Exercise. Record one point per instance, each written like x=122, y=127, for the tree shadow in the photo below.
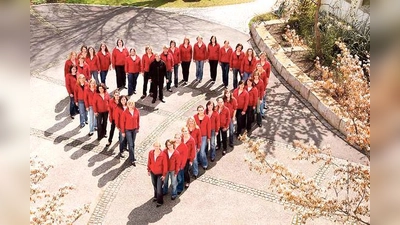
x=148, y=212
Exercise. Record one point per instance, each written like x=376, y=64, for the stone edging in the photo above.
x=318, y=98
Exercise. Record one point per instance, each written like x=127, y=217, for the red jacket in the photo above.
x=225, y=56
x=265, y=79
x=236, y=62
x=213, y=52
x=261, y=89
x=84, y=70
x=224, y=117
x=100, y=104
x=266, y=66
x=199, y=53
x=176, y=55
x=111, y=107
x=205, y=125
x=146, y=60
x=104, y=60
x=118, y=57
x=168, y=59
x=158, y=166
x=191, y=145
x=253, y=96
x=133, y=66
x=94, y=64
x=89, y=97
x=196, y=135
x=214, y=120
x=117, y=116
x=70, y=83
x=232, y=106
x=129, y=122
x=183, y=153
x=242, y=99
x=79, y=93
x=68, y=65
x=248, y=66
x=186, y=53
x=174, y=163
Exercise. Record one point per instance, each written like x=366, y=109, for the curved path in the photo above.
x=226, y=193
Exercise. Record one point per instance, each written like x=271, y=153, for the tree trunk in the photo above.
x=317, y=31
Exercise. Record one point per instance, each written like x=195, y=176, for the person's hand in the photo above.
x=123, y=134
x=87, y=109
x=198, y=150
x=190, y=163
x=243, y=112
x=150, y=80
x=71, y=95
x=137, y=131
x=224, y=129
x=167, y=80
x=175, y=174
x=76, y=103
x=254, y=107
x=96, y=114
x=162, y=178
x=148, y=173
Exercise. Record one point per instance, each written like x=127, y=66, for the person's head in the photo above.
x=200, y=110
x=103, y=47
x=101, y=88
x=213, y=39
x=239, y=47
x=262, y=55
x=91, y=51
x=250, y=82
x=81, y=59
x=116, y=95
x=148, y=49
x=256, y=75
x=172, y=43
x=120, y=43
x=220, y=102
x=169, y=144
x=81, y=79
x=177, y=138
x=186, y=40
x=132, y=51
x=92, y=83
x=199, y=39
x=157, y=145
x=259, y=67
x=241, y=84
x=84, y=48
x=210, y=106
x=157, y=57
x=250, y=52
x=131, y=103
x=165, y=49
x=122, y=101
x=72, y=55
x=227, y=95
x=73, y=69
x=185, y=131
x=226, y=43
x=190, y=122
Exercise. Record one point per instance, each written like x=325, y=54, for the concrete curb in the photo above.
x=322, y=102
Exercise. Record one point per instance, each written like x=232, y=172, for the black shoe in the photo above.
x=179, y=192
x=223, y=152
x=212, y=160
x=153, y=101
x=134, y=92
x=158, y=205
x=263, y=117
x=217, y=148
x=259, y=125
x=95, y=128
x=125, y=87
x=162, y=100
x=151, y=94
x=143, y=96
x=195, y=177
x=187, y=185
x=121, y=155
x=134, y=164
x=154, y=199
x=199, y=81
x=204, y=168
x=90, y=134
x=176, y=85
x=86, y=123
x=72, y=117
x=105, y=136
x=185, y=83
x=231, y=145
x=108, y=144
x=173, y=197
x=170, y=90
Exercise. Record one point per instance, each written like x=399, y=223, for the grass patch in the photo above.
x=264, y=17
x=152, y=3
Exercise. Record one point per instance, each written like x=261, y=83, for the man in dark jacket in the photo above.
x=157, y=72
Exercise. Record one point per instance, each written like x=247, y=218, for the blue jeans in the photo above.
x=95, y=75
x=235, y=73
x=157, y=185
x=131, y=137
x=231, y=130
x=174, y=183
x=212, y=145
x=262, y=105
x=122, y=143
x=83, y=117
x=225, y=73
x=103, y=76
x=92, y=120
x=176, y=67
x=246, y=76
x=132, y=82
x=202, y=153
x=73, y=109
x=169, y=77
x=181, y=180
x=195, y=165
x=199, y=69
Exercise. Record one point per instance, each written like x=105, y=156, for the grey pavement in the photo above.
x=227, y=193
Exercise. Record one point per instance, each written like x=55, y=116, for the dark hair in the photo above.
x=238, y=46
x=170, y=141
x=106, y=49
x=94, y=52
x=200, y=106
x=215, y=39
x=251, y=80
x=226, y=91
x=240, y=82
x=172, y=41
x=210, y=103
x=120, y=102
x=72, y=66
x=84, y=46
x=121, y=40
x=101, y=85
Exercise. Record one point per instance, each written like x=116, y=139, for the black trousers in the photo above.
x=249, y=117
x=185, y=70
x=102, y=118
x=186, y=174
x=146, y=77
x=120, y=76
x=213, y=69
x=158, y=87
x=240, y=121
x=224, y=135
x=157, y=185
x=112, y=129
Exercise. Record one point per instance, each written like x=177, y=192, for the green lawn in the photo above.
x=159, y=3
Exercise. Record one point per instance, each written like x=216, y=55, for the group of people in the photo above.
x=207, y=131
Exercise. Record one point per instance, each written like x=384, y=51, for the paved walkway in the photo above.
x=227, y=193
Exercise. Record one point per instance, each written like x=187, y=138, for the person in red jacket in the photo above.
x=157, y=168
x=264, y=76
x=174, y=164
x=199, y=57
x=259, y=84
x=174, y=51
x=195, y=133
x=147, y=59
x=84, y=51
x=186, y=52
x=182, y=149
x=225, y=53
x=231, y=103
x=105, y=62
x=225, y=119
x=94, y=64
x=248, y=64
x=236, y=63
x=204, y=122
x=253, y=103
x=89, y=96
x=213, y=57
x=112, y=105
x=168, y=59
x=100, y=108
x=190, y=143
x=121, y=107
x=242, y=98
x=263, y=61
x=83, y=67
x=81, y=86
x=119, y=55
x=70, y=84
x=211, y=112
x=72, y=60
x=130, y=124
x=133, y=66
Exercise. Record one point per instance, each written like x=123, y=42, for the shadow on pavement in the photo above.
x=149, y=213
